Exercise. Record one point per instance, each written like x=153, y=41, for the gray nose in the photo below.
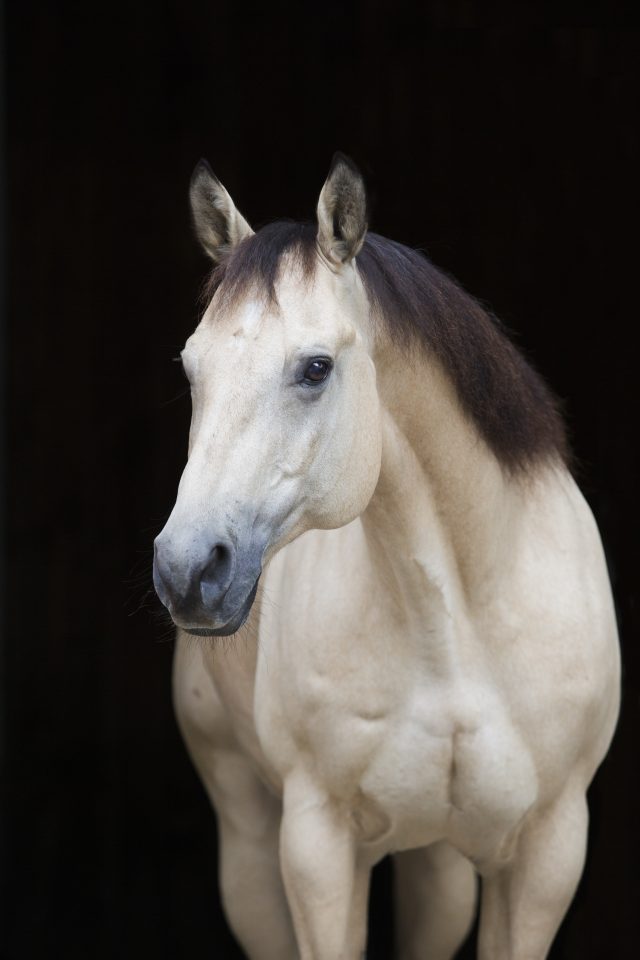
x=192, y=581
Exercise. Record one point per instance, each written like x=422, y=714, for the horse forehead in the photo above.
x=304, y=308
x=244, y=320
x=232, y=333
x=284, y=326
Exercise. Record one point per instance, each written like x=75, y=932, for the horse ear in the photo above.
x=342, y=211
x=219, y=224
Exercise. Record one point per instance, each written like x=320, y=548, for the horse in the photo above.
x=377, y=511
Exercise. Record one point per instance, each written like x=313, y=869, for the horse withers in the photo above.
x=377, y=506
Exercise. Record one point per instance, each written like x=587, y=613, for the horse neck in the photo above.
x=444, y=511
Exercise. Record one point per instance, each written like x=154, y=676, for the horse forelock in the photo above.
x=254, y=266
x=420, y=307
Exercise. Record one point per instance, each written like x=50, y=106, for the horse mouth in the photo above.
x=233, y=625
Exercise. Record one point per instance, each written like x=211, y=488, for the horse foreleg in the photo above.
x=250, y=879
x=248, y=817
x=326, y=884
x=435, y=897
x=524, y=903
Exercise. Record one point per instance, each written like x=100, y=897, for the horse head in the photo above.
x=285, y=430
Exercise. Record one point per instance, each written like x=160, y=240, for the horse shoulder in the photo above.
x=552, y=633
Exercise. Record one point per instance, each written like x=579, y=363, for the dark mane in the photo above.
x=511, y=406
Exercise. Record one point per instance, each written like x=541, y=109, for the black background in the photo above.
x=502, y=140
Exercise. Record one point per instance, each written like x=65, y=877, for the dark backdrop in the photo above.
x=503, y=142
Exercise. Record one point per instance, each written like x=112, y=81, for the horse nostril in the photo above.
x=217, y=574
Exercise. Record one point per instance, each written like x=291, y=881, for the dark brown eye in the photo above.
x=316, y=370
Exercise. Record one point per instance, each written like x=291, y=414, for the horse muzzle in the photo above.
x=207, y=587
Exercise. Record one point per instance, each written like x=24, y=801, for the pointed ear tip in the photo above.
x=202, y=169
x=341, y=159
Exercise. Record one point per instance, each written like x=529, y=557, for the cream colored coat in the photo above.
x=431, y=666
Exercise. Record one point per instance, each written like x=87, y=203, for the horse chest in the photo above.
x=457, y=775
x=437, y=762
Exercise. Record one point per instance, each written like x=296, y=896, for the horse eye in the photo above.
x=316, y=370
